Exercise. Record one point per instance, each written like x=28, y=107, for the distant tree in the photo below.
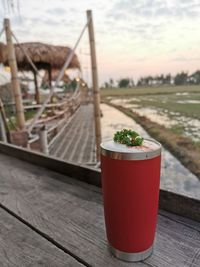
x=150, y=80
x=111, y=82
x=195, y=77
x=146, y=81
x=139, y=83
x=124, y=83
x=106, y=85
x=168, y=79
x=181, y=78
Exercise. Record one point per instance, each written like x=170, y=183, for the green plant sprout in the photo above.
x=128, y=137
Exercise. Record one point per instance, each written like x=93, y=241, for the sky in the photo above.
x=134, y=38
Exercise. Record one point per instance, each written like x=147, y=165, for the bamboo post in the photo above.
x=43, y=140
x=96, y=94
x=4, y=129
x=37, y=93
x=15, y=81
x=3, y=136
x=50, y=76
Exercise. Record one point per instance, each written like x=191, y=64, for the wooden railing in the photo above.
x=68, y=108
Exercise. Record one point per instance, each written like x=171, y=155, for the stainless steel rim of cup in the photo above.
x=144, y=155
x=131, y=257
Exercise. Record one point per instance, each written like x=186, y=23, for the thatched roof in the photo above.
x=43, y=56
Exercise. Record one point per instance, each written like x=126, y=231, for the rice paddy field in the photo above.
x=176, y=108
x=171, y=115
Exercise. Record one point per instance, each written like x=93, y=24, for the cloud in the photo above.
x=56, y=11
x=155, y=8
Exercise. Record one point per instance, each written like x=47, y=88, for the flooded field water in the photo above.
x=174, y=176
x=180, y=111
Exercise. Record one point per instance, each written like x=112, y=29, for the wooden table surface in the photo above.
x=48, y=219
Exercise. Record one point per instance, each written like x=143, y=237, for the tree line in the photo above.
x=182, y=78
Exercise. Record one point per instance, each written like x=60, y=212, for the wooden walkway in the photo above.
x=76, y=142
x=51, y=219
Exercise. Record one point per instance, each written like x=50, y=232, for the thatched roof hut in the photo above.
x=44, y=56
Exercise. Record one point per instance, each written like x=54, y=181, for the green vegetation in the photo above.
x=172, y=104
x=186, y=150
x=29, y=114
x=12, y=123
x=128, y=137
x=170, y=99
x=177, y=103
x=137, y=91
x=181, y=78
x=177, y=129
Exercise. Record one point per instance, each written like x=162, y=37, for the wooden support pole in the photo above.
x=50, y=81
x=43, y=140
x=37, y=93
x=4, y=129
x=3, y=136
x=15, y=81
x=96, y=94
x=50, y=76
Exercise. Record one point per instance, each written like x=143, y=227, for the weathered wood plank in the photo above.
x=69, y=141
x=21, y=246
x=61, y=210
x=80, y=172
x=176, y=244
x=169, y=201
x=180, y=205
x=71, y=213
x=180, y=219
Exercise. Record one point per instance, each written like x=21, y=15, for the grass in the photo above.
x=177, y=129
x=29, y=114
x=136, y=91
x=12, y=123
x=174, y=101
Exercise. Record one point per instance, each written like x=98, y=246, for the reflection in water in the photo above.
x=174, y=176
x=164, y=117
x=184, y=93
x=188, y=101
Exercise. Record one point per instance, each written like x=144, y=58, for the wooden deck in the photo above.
x=51, y=219
x=76, y=142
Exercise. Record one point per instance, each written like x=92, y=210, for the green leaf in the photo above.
x=128, y=137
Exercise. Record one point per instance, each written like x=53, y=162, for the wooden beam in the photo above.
x=3, y=136
x=170, y=201
x=4, y=129
x=43, y=140
x=70, y=214
x=50, y=76
x=37, y=93
x=96, y=94
x=15, y=81
x=22, y=245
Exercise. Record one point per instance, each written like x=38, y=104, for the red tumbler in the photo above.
x=130, y=183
